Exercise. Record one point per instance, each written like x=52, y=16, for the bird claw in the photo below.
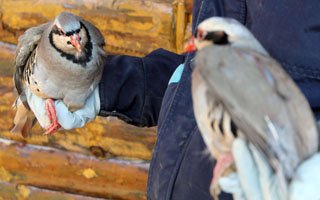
x=51, y=112
x=223, y=163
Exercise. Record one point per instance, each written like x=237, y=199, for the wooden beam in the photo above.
x=133, y=27
x=55, y=169
x=18, y=192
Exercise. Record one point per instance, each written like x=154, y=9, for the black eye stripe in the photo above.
x=199, y=34
x=210, y=35
x=217, y=37
x=72, y=32
x=56, y=30
x=75, y=31
x=87, y=57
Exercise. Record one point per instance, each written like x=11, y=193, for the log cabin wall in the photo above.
x=133, y=27
x=106, y=159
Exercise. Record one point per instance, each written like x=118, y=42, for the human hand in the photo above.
x=68, y=120
x=255, y=179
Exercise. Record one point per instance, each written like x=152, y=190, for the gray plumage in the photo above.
x=50, y=65
x=242, y=83
x=67, y=22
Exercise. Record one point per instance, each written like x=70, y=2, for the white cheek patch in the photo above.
x=61, y=42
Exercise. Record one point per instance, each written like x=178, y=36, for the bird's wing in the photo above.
x=209, y=116
x=96, y=35
x=26, y=45
x=264, y=103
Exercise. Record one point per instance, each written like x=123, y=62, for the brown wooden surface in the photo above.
x=64, y=161
x=133, y=27
x=104, y=138
x=49, y=168
x=10, y=191
x=71, y=172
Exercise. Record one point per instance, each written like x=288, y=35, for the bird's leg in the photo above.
x=51, y=112
x=225, y=161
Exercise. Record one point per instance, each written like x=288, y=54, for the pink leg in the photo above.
x=225, y=161
x=51, y=112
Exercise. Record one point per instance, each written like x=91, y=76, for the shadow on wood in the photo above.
x=50, y=168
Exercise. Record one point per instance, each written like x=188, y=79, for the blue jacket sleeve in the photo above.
x=132, y=88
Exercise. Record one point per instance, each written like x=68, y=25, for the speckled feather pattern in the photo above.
x=49, y=75
x=262, y=100
x=59, y=73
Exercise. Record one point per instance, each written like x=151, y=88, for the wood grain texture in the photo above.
x=95, y=144
x=71, y=172
x=104, y=138
x=133, y=27
x=65, y=161
x=10, y=191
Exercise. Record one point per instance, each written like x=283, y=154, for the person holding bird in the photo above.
x=156, y=90
x=62, y=59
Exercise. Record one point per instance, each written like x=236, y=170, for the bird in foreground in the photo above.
x=238, y=90
x=62, y=59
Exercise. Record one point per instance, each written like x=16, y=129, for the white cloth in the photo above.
x=255, y=180
x=68, y=120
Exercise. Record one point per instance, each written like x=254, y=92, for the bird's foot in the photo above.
x=223, y=163
x=51, y=112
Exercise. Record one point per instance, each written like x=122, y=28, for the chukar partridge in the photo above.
x=62, y=59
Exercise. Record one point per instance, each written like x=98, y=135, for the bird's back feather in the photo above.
x=26, y=51
x=263, y=101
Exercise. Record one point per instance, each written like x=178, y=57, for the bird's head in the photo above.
x=69, y=34
x=223, y=31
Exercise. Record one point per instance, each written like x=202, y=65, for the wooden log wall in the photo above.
x=106, y=159
x=133, y=27
x=33, y=193
x=50, y=168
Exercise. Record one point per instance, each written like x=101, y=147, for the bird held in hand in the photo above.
x=62, y=59
x=238, y=90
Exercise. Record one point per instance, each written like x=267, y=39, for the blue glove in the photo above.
x=255, y=180
x=68, y=120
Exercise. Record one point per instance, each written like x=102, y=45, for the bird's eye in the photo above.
x=200, y=35
x=61, y=32
x=69, y=43
x=57, y=30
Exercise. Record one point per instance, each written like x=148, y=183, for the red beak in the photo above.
x=75, y=41
x=190, y=47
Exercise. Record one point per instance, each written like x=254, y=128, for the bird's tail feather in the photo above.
x=24, y=119
x=281, y=183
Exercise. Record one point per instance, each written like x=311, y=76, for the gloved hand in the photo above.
x=255, y=180
x=68, y=120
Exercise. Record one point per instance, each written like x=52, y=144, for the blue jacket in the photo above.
x=138, y=91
